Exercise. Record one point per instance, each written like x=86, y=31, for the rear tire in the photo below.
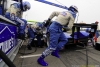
x=97, y=46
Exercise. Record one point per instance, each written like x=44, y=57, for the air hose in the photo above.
x=24, y=53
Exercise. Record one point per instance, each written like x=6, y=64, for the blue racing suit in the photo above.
x=56, y=33
x=40, y=34
x=31, y=33
x=14, y=13
x=57, y=37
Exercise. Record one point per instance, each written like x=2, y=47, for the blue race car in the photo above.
x=77, y=37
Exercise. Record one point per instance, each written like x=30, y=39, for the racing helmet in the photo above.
x=26, y=5
x=73, y=8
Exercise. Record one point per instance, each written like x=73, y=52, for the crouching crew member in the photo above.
x=35, y=31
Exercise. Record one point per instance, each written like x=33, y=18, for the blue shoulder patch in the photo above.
x=63, y=13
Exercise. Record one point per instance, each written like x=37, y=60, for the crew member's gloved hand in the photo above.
x=47, y=22
x=12, y=16
x=38, y=28
x=65, y=29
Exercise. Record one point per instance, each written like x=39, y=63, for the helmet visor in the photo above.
x=26, y=8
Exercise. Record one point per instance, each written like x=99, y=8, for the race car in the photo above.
x=77, y=37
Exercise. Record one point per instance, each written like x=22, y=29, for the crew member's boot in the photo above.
x=41, y=61
x=55, y=53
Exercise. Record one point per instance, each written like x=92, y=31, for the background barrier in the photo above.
x=9, y=43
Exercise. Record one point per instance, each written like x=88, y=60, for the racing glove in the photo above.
x=47, y=22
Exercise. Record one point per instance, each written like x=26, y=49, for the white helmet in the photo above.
x=26, y=5
x=73, y=7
